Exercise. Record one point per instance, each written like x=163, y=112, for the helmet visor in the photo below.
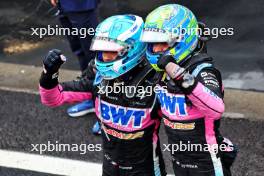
x=107, y=44
x=154, y=35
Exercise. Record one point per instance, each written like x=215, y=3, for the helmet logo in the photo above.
x=134, y=28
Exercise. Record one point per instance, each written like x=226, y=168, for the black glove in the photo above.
x=53, y=61
x=164, y=60
x=51, y=65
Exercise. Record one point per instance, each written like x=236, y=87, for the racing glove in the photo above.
x=51, y=64
x=178, y=74
x=53, y=61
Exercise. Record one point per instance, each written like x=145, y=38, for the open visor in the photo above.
x=107, y=44
x=154, y=35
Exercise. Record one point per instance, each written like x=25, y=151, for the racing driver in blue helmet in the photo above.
x=129, y=119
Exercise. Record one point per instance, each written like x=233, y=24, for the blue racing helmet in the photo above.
x=121, y=34
x=175, y=25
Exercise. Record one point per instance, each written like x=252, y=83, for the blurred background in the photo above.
x=23, y=120
x=239, y=56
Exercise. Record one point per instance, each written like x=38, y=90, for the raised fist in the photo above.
x=53, y=61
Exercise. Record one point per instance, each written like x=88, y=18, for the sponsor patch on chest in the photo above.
x=122, y=116
x=172, y=104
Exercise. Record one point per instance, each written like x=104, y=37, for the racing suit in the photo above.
x=130, y=122
x=192, y=116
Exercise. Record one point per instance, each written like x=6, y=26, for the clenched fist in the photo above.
x=53, y=61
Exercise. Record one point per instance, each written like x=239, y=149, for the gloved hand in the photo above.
x=53, y=61
x=164, y=60
x=174, y=70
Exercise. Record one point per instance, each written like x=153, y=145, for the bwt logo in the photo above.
x=172, y=102
x=122, y=115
